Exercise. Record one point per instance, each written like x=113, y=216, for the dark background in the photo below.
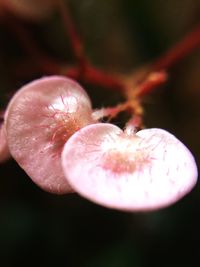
x=39, y=229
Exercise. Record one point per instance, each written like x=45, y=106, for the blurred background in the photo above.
x=39, y=229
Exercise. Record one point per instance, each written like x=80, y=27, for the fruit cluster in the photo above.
x=52, y=132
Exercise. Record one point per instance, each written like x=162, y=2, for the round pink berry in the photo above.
x=39, y=120
x=135, y=172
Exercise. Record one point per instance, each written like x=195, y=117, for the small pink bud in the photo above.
x=123, y=170
x=39, y=120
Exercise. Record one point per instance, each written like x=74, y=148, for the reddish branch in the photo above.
x=84, y=71
x=95, y=76
x=152, y=81
x=149, y=82
x=76, y=43
x=179, y=51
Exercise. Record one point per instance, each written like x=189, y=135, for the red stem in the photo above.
x=154, y=80
x=183, y=48
x=95, y=76
x=190, y=42
x=86, y=72
x=76, y=43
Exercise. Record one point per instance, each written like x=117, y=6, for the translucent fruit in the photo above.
x=39, y=120
x=123, y=170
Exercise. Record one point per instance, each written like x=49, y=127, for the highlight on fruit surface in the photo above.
x=40, y=118
x=4, y=151
x=141, y=171
x=29, y=9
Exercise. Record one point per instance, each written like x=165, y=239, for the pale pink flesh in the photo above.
x=29, y=9
x=39, y=120
x=141, y=172
x=4, y=151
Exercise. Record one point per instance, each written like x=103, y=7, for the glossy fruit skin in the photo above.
x=39, y=120
x=145, y=171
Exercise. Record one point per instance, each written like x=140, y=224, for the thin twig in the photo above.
x=71, y=31
x=152, y=81
x=162, y=65
x=179, y=51
x=95, y=76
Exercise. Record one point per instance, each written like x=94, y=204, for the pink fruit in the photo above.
x=4, y=151
x=122, y=170
x=39, y=120
x=29, y=9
